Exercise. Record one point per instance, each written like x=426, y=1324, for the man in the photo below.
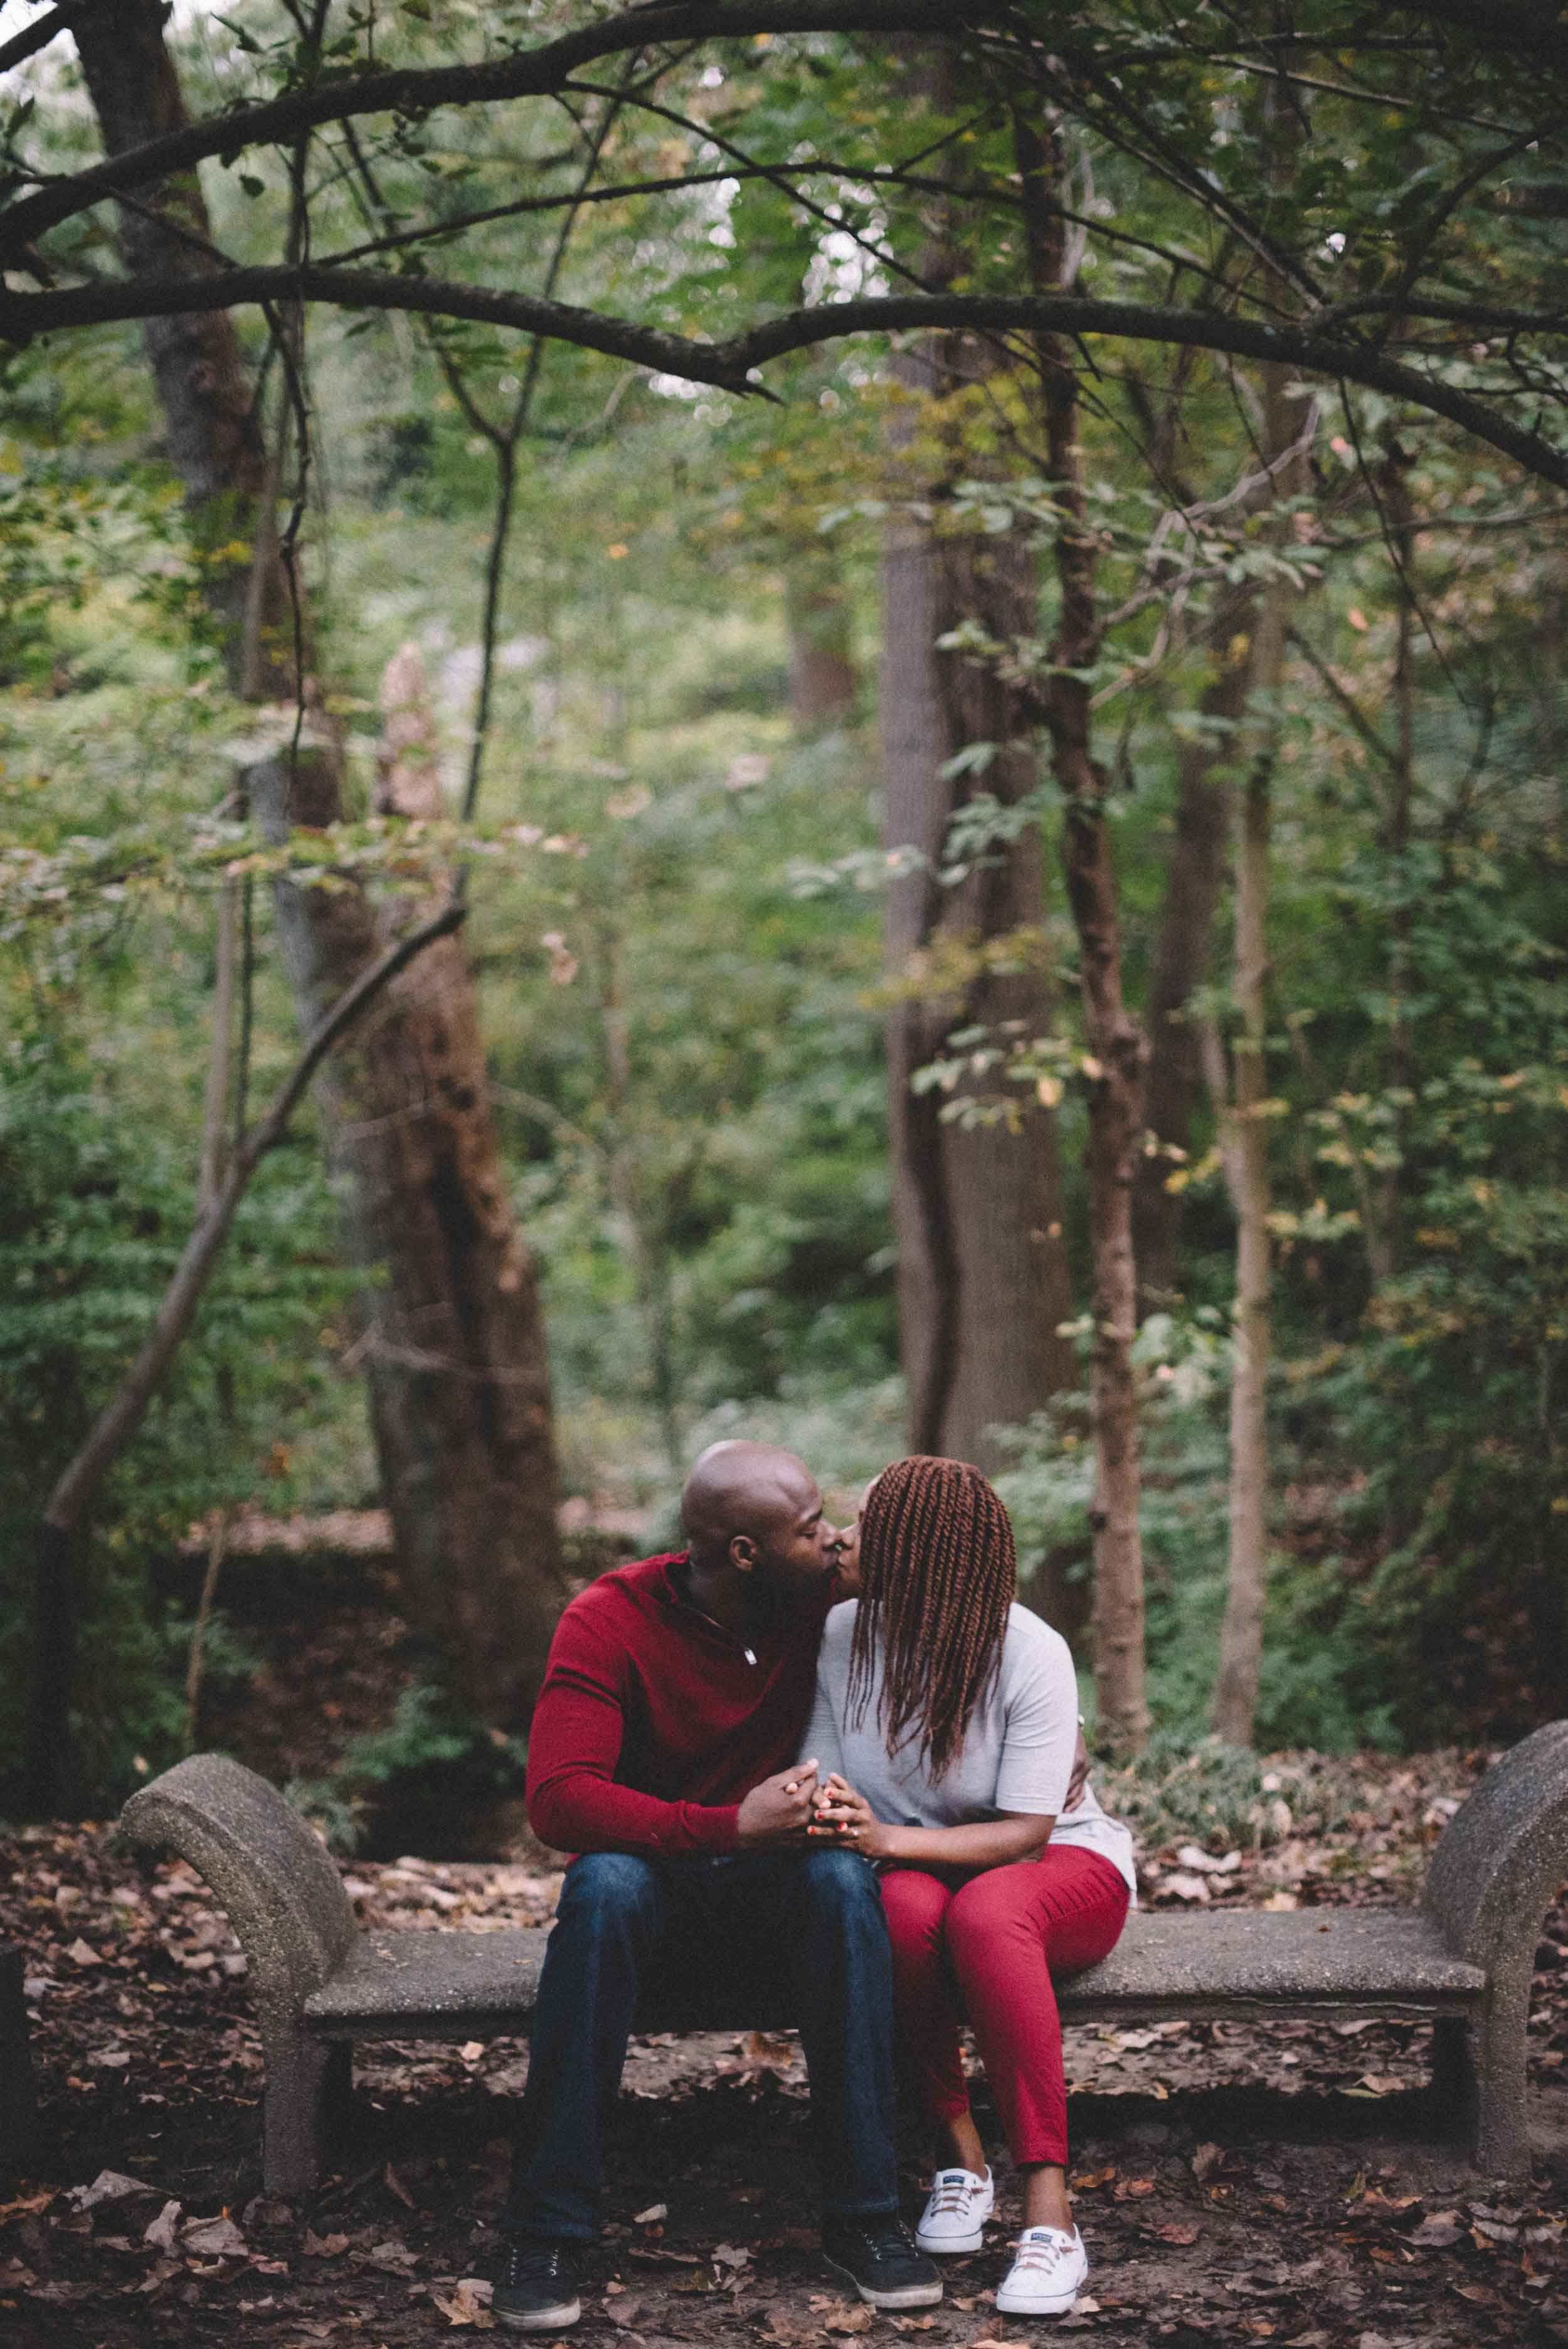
x=662, y=1752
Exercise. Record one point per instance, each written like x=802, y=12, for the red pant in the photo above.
x=991, y=1946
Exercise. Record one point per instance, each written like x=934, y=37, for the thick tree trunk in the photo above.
x=983, y=1275
x=455, y=1349
x=982, y=1271
x=1118, y=1047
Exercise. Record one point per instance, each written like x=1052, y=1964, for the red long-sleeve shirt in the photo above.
x=651, y=1724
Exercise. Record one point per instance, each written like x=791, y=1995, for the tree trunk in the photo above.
x=1118, y=1047
x=455, y=1347
x=1247, y=1165
x=982, y=1269
x=1246, y=1150
x=1183, y=951
x=983, y=1275
x=816, y=612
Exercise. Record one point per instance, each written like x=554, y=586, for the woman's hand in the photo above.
x=842, y=1815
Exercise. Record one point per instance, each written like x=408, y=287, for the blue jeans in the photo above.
x=807, y=1927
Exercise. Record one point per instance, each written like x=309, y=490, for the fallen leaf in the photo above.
x=392, y=2257
x=1186, y=1887
x=159, y=2233
x=1087, y=2183
x=847, y=2317
x=213, y=2239
x=14, y=2276
x=1280, y=1900
x=109, y=2186
x=1206, y=2159
x=111, y=2059
x=28, y=2204
x=625, y=2310
x=913, y=2323
x=1175, y=2230
x=395, y=2185
x=1131, y=2189
x=471, y=2050
x=729, y=2255
x=322, y=2247
x=652, y=2215
x=467, y=2304
x=1190, y=1855
x=80, y=1954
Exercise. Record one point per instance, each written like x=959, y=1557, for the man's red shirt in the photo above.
x=652, y=1725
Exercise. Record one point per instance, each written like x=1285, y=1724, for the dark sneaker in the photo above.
x=538, y=2292
x=881, y=2260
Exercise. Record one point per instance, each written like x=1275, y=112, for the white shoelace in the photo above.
x=1043, y=2247
x=953, y=2189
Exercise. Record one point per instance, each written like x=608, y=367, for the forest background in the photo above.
x=1024, y=801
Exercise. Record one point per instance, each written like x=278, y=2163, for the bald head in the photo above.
x=744, y=1488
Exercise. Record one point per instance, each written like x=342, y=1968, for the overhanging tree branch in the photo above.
x=526, y=73
x=731, y=365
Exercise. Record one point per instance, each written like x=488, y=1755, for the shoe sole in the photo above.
x=906, y=2295
x=936, y=2245
x=1061, y=2304
x=541, y=2320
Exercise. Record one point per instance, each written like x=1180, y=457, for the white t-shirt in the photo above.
x=1018, y=1752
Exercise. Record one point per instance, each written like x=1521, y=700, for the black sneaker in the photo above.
x=538, y=2292
x=883, y=2260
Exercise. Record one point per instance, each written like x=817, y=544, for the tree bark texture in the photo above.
x=1118, y=1047
x=1183, y=951
x=984, y=1280
x=1246, y=1141
x=983, y=1274
x=454, y=1343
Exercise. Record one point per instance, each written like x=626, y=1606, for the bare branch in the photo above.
x=115, y=1425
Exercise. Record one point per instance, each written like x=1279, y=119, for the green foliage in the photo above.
x=427, y=1768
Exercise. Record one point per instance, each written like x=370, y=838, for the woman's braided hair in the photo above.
x=938, y=1572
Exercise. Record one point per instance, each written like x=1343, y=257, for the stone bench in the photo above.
x=1462, y=1961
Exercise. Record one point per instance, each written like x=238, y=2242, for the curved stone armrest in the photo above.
x=272, y=1873
x=1503, y=1854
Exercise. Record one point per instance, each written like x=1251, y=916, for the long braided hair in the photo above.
x=938, y=1572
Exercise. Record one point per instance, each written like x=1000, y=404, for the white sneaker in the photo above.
x=958, y=2206
x=1047, y=2276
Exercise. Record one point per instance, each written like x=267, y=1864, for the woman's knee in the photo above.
x=916, y=1906
x=986, y=1909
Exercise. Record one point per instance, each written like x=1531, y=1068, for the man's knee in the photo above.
x=840, y=1881
x=609, y=1891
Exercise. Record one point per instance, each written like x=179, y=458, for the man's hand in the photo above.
x=777, y=1813
x=1080, y=1779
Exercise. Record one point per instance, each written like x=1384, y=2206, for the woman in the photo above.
x=944, y=1724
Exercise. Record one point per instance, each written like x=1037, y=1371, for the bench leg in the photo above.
x=307, y=2087
x=1496, y=2056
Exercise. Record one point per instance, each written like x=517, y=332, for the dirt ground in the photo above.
x=1235, y=2183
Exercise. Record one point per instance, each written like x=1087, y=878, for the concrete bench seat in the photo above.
x=1462, y=1961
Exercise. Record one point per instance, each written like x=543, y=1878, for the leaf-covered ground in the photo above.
x=1236, y=2183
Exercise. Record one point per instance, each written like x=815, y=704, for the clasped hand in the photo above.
x=842, y=1815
